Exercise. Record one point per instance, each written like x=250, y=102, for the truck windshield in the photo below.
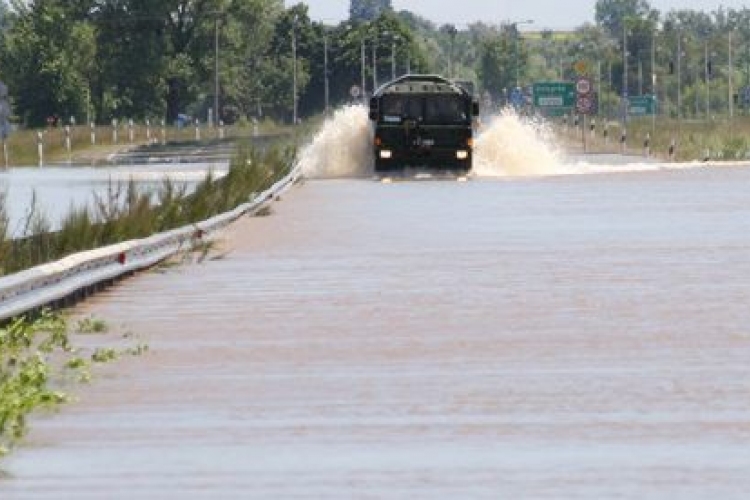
x=432, y=109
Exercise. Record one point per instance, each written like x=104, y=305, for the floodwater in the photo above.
x=58, y=189
x=513, y=336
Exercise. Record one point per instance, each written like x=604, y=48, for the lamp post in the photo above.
x=364, y=64
x=294, y=70
x=516, y=36
x=452, y=31
x=374, y=63
x=215, y=117
x=393, y=56
x=326, y=91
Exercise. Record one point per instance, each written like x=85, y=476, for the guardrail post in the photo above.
x=93, y=133
x=672, y=149
x=647, y=145
x=5, y=152
x=148, y=131
x=221, y=129
x=40, y=147
x=131, y=131
x=114, y=131
x=68, y=144
x=197, y=130
x=624, y=141
x=163, y=133
x=605, y=133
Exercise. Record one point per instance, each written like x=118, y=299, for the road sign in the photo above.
x=583, y=86
x=644, y=105
x=516, y=98
x=552, y=95
x=355, y=91
x=581, y=68
x=585, y=104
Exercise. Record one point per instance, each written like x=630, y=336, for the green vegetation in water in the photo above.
x=26, y=347
x=125, y=213
x=91, y=325
x=36, y=355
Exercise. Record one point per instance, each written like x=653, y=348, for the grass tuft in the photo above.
x=125, y=213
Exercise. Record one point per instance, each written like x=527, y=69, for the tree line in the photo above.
x=98, y=60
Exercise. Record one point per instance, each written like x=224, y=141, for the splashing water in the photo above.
x=514, y=146
x=342, y=147
x=509, y=146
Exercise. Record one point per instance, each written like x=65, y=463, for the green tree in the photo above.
x=47, y=58
x=368, y=10
x=612, y=14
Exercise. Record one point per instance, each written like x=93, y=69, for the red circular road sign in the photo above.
x=583, y=86
x=584, y=104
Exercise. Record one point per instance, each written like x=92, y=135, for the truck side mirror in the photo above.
x=374, y=109
x=475, y=108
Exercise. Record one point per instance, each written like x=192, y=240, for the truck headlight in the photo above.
x=462, y=155
x=386, y=154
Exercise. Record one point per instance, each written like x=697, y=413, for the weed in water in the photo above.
x=124, y=213
x=104, y=355
x=91, y=325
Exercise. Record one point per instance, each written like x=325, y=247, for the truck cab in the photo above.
x=424, y=122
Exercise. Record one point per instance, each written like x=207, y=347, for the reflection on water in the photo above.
x=57, y=189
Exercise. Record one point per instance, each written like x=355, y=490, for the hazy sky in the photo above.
x=545, y=13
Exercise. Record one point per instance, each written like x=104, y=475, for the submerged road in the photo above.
x=566, y=337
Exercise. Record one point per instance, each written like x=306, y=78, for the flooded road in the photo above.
x=576, y=336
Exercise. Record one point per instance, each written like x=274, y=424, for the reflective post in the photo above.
x=40, y=147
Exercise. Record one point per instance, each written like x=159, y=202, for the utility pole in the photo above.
x=325, y=69
x=707, y=75
x=364, y=64
x=516, y=36
x=393, y=58
x=655, y=101
x=216, y=73
x=294, y=71
x=374, y=63
x=679, y=77
x=624, y=73
x=730, y=77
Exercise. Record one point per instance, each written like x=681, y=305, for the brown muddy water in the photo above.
x=566, y=337
x=553, y=336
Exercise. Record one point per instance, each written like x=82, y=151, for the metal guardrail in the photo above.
x=49, y=283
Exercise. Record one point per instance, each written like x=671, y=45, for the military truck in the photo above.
x=424, y=122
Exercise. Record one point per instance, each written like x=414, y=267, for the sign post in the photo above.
x=584, y=103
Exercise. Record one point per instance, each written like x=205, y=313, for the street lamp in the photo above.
x=374, y=63
x=452, y=31
x=514, y=26
x=215, y=117
x=294, y=70
x=393, y=56
x=325, y=68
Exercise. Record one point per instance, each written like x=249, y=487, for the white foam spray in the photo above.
x=342, y=147
x=508, y=146
x=511, y=145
